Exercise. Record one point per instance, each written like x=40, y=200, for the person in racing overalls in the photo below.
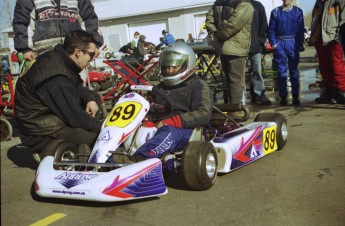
x=190, y=98
x=286, y=35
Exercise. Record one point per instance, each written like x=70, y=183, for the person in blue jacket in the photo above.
x=286, y=35
x=168, y=39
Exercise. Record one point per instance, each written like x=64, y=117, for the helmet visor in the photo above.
x=173, y=59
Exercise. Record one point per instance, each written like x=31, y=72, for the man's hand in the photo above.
x=30, y=55
x=92, y=108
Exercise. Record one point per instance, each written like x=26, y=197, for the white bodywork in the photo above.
x=139, y=180
x=244, y=145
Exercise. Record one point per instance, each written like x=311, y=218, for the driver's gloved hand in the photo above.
x=174, y=121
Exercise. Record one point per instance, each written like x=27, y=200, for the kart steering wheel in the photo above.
x=156, y=110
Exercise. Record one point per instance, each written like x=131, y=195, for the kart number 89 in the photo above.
x=123, y=114
x=269, y=140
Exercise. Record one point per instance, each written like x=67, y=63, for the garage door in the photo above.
x=152, y=30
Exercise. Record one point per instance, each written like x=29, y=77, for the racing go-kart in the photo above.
x=220, y=147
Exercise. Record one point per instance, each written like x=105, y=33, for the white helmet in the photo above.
x=177, y=54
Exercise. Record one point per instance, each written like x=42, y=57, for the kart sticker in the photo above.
x=269, y=140
x=123, y=114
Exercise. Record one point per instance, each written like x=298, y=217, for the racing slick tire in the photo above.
x=62, y=151
x=279, y=119
x=199, y=165
x=6, y=130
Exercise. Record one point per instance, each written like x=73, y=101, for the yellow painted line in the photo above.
x=49, y=220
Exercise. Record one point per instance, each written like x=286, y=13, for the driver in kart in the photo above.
x=51, y=102
x=191, y=101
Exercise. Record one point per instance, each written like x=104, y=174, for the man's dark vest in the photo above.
x=32, y=117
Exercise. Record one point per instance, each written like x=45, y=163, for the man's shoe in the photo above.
x=326, y=97
x=84, y=152
x=340, y=97
x=263, y=100
x=283, y=102
x=295, y=100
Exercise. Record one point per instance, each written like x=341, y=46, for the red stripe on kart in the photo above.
x=240, y=154
x=115, y=189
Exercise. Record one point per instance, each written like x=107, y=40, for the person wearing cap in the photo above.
x=190, y=98
x=286, y=35
x=168, y=39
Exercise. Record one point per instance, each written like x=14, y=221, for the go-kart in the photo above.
x=220, y=147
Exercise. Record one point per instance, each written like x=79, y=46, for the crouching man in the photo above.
x=51, y=102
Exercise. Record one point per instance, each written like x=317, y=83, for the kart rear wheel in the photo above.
x=199, y=165
x=279, y=119
x=62, y=151
x=6, y=130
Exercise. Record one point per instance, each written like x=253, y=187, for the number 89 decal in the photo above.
x=123, y=114
x=269, y=140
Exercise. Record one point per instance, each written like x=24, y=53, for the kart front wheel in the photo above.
x=279, y=119
x=199, y=165
x=62, y=151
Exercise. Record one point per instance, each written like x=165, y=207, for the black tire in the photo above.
x=95, y=86
x=279, y=119
x=62, y=151
x=199, y=165
x=108, y=55
x=6, y=129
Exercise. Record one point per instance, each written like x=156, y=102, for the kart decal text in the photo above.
x=68, y=192
x=69, y=180
x=161, y=148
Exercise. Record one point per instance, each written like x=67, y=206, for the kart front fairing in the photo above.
x=138, y=180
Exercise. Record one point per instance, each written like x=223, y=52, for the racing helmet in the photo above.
x=177, y=55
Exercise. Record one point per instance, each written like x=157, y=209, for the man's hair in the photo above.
x=78, y=39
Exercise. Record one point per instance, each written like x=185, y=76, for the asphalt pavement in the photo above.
x=303, y=184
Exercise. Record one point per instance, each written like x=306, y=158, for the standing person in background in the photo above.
x=15, y=62
x=258, y=40
x=135, y=40
x=168, y=39
x=286, y=36
x=327, y=19
x=140, y=51
x=190, y=38
x=228, y=24
x=39, y=27
x=5, y=65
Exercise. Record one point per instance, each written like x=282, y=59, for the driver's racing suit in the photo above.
x=191, y=107
x=286, y=35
